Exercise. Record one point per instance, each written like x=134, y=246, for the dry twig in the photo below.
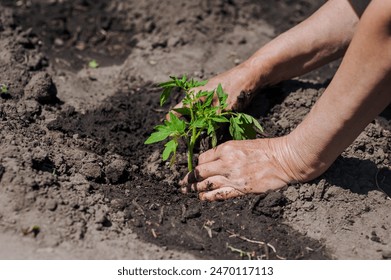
x=161, y=215
x=139, y=208
x=261, y=243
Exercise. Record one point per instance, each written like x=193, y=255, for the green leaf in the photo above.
x=4, y=89
x=168, y=84
x=165, y=95
x=170, y=147
x=235, y=129
x=209, y=99
x=199, y=83
x=184, y=111
x=242, y=127
x=199, y=123
x=211, y=128
x=201, y=94
x=157, y=137
x=176, y=124
x=222, y=96
x=184, y=78
x=253, y=121
x=93, y=64
x=220, y=119
x=214, y=139
x=257, y=125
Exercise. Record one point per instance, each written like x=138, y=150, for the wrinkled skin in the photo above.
x=359, y=91
x=233, y=169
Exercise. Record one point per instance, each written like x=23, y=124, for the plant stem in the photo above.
x=190, y=157
x=190, y=151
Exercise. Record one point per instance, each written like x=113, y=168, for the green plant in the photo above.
x=201, y=116
x=4, y=89
x=93, y=64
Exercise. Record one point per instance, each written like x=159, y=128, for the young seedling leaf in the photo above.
x=200, y=123
x=170, y=147
x=199, y=83
x=165, y=95
x=4, y=89
x=176, y=124
x=220, y=119
x=235, y=129
x=157, y=137
x=201, y=115
x=168, y=84
x=253, y=121
x=93, y=64
x=222, y=96
x=184, y=111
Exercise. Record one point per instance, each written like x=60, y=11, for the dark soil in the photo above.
x=73, y=162
x=150, y=197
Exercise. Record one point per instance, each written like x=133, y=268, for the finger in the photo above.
x=220, y=194
x=203, y=171
x=212, y=183
x=208, y=156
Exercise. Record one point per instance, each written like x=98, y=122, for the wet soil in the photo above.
x=76, y=180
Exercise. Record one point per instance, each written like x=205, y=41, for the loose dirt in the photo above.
x=76, y=180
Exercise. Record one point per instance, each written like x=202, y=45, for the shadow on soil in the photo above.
x=153, y=207
x=248, y=227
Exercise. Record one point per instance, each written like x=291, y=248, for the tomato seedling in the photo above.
x=93, y=64
x=3, y=89
x=201, y=115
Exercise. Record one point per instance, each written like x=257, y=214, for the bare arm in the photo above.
x=360, y=90
x=316, y=41
x=320, y=39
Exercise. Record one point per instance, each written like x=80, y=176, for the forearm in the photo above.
x=360, y=90
x=316, y=41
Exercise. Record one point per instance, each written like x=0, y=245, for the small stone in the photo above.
x=191, y=213
x=100, y=217
x=174, y=41
x=149, y=26
x=144, y=45
x=386, y=254
x=41, y=88
x=116, y=171
x=51, y=205
x=58, y=42
x=91, y=171
x=291, y=193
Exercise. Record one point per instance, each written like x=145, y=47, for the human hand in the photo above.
x=236, y=168
x=239, y=83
